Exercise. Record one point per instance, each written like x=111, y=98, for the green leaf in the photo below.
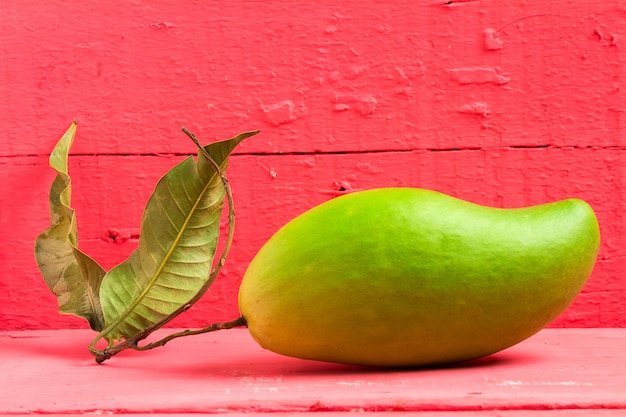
x=177, y=245
x=70, y=274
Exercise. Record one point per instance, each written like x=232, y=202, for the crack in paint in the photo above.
x=345, y=152
x=453, y=3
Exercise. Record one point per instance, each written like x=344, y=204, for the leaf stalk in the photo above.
x=133, y=343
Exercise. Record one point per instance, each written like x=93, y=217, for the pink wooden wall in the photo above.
x=500, y=103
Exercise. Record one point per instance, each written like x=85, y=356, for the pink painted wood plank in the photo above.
x=321, y=76
x=110, y=193
x=483, y=413
x=557, y=369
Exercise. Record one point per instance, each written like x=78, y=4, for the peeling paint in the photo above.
x=492, y=41
x=478, y=108
x=280, y=113
x=477, y=75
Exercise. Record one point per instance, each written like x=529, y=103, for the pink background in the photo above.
x=500, y=103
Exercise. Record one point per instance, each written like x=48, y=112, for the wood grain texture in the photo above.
x=504, y=104
x=51, y=372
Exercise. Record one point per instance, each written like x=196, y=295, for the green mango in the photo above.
x=413, y=277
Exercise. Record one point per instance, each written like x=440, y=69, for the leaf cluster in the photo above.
x=174, y=263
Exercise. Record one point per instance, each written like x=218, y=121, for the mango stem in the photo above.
x=111, y=351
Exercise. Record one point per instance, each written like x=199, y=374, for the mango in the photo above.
x=411, y=277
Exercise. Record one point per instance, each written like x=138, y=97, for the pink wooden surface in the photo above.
x=501, y=103
x=557, y=369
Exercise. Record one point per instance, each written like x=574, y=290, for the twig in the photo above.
x=132, y=343
x=239, y=322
